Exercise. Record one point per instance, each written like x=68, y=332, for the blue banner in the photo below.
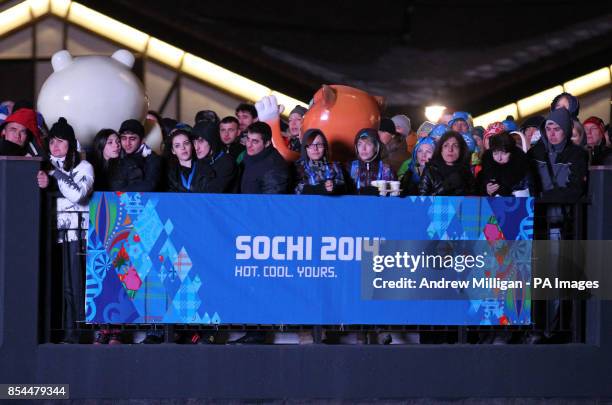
x=256, y=259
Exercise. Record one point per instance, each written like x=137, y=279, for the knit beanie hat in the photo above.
x=62, y=130
x=510, y=124
x=403, y=122
x=494, y=129
x=387, y=125
x=535, y=121
x=299, y=110
x=27, y=118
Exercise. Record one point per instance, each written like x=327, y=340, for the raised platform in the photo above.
x=351, y=373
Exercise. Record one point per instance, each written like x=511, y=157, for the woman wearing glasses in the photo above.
x=315, y=173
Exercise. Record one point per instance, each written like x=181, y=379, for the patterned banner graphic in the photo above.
x=236, y=259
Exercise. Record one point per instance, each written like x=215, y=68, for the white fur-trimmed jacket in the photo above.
x=75, y=188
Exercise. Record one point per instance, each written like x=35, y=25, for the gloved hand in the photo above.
x=268, y=109
x=144, y=149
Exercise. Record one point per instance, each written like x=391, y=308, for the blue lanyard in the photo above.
x=355, y=172
x=380, y=170
x=187, y=182
x=214, y=159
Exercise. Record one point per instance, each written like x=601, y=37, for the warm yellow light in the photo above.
x=39, y=7
x=223, y=78
x=496, y=115
x=107, y=27
x=434, y=112
x=589, y=82
x=14, y=17
x=60, y=7
x=288, y=102
x=164, y=52
x=139, y=41
x=538, y=102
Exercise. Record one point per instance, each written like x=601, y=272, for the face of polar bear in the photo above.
x=92, y=92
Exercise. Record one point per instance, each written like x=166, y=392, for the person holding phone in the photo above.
x=504, y=169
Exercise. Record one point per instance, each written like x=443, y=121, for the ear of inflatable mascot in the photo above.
x=339, y=111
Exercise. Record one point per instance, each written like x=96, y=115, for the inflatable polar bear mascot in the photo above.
x=338, y=111
x=95, y=92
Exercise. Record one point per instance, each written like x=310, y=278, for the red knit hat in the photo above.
x=27, y=118
x=493, y=129
x=596, y=121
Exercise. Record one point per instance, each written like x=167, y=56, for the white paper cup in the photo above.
x=394, y=185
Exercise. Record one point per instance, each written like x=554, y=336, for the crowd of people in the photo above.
x=544, y=156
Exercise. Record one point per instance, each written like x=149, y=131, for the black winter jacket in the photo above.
x=178, y=177
x=440, y=179
x=598, y=154
x=8, y=148
x=265, y=173
x=511, y=176
x=236, y=150
x=137, y=173
x=103, y=172
x=224, y=173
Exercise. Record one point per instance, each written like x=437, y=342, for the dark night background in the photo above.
x=475, y=55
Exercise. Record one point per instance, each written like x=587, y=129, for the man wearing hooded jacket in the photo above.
x=559, y=170
x=559, y=167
